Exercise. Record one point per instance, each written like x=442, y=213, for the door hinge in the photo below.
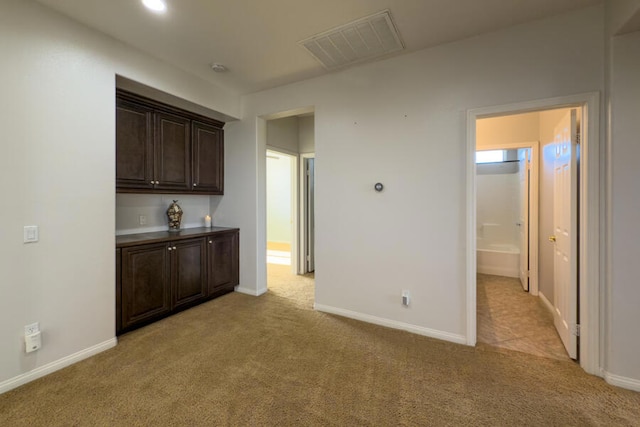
x=575, y=330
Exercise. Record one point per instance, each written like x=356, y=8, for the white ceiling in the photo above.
x=257, y=40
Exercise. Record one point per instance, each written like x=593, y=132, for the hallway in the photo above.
x=513, y=319
x=300, y=289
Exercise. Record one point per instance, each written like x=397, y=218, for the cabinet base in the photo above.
x=217, y=293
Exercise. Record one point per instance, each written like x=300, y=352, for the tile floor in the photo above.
x=510, y=318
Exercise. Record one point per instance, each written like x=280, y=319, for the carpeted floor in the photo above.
x=271, y=360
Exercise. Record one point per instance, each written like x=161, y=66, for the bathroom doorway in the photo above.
x=517, y=194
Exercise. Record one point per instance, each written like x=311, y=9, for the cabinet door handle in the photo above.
x=157, y=182
x=169, y=248
x=174, y=248
x=210, y=241
x=194, y=184
x=153, y=182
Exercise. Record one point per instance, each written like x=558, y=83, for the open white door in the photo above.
x=524, y=155
x=310, y=214
x=565, y=225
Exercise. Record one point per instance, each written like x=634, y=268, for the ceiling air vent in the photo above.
x=367, y=38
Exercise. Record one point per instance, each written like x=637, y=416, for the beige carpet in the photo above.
x=271, y=360
x=511, y=318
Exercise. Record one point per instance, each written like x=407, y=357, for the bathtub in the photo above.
x=499, y=259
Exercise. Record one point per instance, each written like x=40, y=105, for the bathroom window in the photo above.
x=491, y=156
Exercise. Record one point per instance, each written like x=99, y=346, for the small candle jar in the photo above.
x=207, y=221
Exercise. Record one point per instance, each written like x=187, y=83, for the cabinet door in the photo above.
x=188, y=271
x=118, y=290
x=208, y=158
x=223, y=254
x=134, y=145
x=146, y=291
x=172, y=152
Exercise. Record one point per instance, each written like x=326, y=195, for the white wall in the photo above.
x=402, y=122
x=620, y=13
x=129, y=207
x=497, y=208
x=306, y=134
x=624, y=292
x=57, y=114
x=503, y=130
x=283, y=134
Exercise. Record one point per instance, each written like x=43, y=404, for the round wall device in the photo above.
x=378, y=187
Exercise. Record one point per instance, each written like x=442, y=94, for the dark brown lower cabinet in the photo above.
x=154, y=280
x=222, y=261
x=118, y=289
x=146, y=287
x=188, y=271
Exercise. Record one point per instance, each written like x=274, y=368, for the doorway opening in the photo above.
x=281, y=208
x=512, y=312
x=290, y=205
x=575, y=203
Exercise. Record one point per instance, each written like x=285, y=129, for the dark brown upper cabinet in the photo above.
x=134, y=146
x=208, y=158
x=172, y=153
x=163, y=149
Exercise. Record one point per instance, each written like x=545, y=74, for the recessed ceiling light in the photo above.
x=155, y=5
x=218, y=68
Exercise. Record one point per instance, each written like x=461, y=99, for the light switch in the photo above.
x=30, y=233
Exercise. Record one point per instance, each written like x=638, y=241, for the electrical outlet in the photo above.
x=142, y=219
x=30, y=233
x=405, y=298
x=32, y=342
x=32, y=328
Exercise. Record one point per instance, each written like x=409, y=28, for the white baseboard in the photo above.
x=249, y=291
x=546, y=302
x=432, y=333
x=49, y=368
x=624, y=382
x=498, y=271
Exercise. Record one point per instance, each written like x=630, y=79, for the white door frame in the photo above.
x=302, y=264
x=590, y=259
x=533, y=205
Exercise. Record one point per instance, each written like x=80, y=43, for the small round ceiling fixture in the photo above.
x=155, y=5
x=218, y=68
